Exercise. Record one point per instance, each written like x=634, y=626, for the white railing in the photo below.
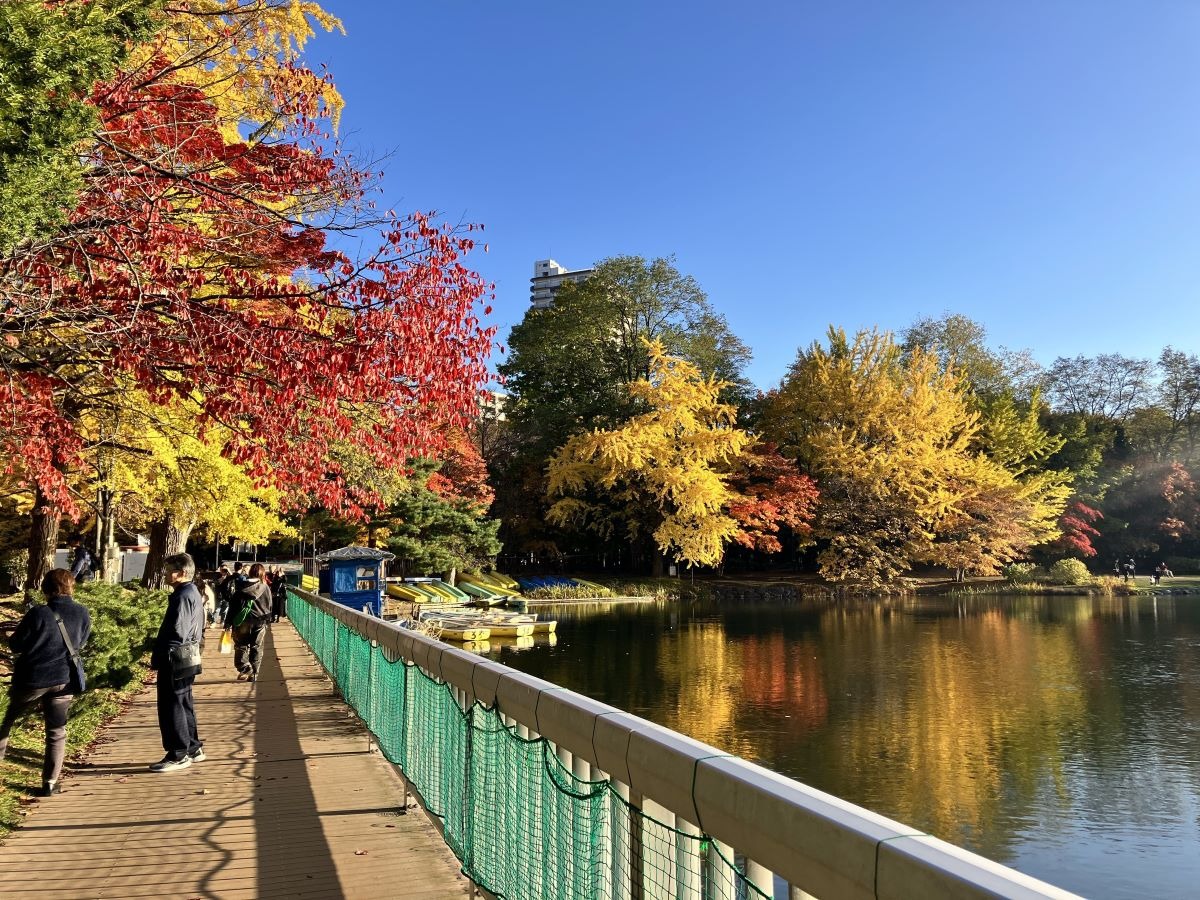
x=814, y=843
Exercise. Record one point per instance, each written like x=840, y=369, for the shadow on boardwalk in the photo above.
x=291, y=802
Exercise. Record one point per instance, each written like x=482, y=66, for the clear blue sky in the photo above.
x=1033, y=165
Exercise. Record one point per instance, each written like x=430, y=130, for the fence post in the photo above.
x=371, y=698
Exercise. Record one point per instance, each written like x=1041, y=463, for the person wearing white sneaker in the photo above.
x=182, y=624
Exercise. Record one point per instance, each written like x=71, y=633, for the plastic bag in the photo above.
x=226, y=642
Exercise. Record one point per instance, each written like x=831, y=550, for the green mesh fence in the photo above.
x=521, y=823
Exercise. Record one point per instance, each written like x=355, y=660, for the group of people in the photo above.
x=1128, y=569
x=48, y=669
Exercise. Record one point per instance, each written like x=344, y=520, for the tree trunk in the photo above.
x=167, y=536
x=107, y=559
x=43, y=540
x=656, y=565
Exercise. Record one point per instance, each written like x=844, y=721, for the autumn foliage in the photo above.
x=195, y=265
x=666, y=473
x=203, y=270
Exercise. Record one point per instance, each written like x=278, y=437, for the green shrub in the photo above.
x=14, y=563
x=124, y=623
x=1070, y=571
x=1023, y=573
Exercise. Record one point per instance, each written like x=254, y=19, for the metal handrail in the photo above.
x=819, y=844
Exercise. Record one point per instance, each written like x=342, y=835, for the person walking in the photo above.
x=81, y=568
x=247, y=619
x=47, y=643
x=209, y=594
x=278, y=596
x=182, y=625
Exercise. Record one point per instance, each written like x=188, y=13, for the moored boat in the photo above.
x=451, y=630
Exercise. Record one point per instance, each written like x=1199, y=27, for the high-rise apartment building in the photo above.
x=548, y=277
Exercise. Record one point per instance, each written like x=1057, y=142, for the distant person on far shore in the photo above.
x=1131, y=568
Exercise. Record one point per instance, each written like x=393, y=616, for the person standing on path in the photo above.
x=183, y=623
x=42, y=672
x=279, y=596
x=81, y=568
x=247, y=618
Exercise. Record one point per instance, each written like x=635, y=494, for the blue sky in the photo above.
x=1033, y=165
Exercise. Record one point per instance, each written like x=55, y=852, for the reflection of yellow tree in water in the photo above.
x=702, y=671
x=718, y=682
x=938, y=748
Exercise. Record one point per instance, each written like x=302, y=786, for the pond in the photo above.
x=1058, y=735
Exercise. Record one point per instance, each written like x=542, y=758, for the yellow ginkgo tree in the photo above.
x=661, y=475
x=164, y=471
x=897, y=449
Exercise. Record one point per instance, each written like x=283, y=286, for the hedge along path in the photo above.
x=292, y=801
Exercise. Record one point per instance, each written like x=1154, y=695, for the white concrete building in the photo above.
x=548, y=277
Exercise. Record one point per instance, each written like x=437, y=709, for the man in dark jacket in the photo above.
x=183, y=623
x=81, y=569
x=247, y=617
x=42, y=671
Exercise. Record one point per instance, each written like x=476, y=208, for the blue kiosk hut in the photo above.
x=353, y=576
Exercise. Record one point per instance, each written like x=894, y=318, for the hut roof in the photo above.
x=355, y=552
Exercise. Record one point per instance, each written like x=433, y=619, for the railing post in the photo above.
x=621, y=842
x=687, y=858
x=761, y=877
x=720, y=874
x=637, y=861
x=371, y=698
x=658, y=845
x=567, y=864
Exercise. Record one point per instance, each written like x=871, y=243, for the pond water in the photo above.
x=1058, y=735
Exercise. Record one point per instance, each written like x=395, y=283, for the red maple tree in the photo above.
x=776, y=495
x=200, y=270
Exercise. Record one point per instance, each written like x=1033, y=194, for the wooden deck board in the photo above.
x=288, y=800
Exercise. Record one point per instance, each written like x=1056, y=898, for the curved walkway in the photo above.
x=292, y=801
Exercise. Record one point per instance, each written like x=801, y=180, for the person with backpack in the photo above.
x=48, y=669
x=247, y=619
x=227, y=586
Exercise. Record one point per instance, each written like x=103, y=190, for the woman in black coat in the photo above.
x=42, y=671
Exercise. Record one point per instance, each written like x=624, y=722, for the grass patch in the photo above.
x=567, y=592
x=1105, y=585
x=657, y=588
x=123, y=626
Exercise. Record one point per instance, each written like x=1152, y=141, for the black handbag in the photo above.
x=185, y=659
x=77, y=683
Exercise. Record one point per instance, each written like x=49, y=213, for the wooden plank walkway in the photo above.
x=291, y=802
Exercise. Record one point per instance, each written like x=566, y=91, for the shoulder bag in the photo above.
x=185, y=658
x=78, y=680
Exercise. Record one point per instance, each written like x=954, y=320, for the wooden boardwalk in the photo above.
x=291, y=802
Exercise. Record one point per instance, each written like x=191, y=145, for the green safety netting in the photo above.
x=521, y=823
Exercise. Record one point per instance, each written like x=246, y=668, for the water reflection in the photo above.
x=1056, y=734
